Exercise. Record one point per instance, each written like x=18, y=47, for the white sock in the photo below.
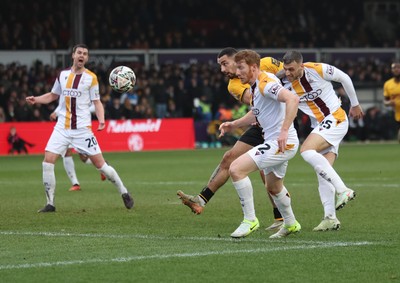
x=69, y=167
x=323, y=168
x=245, y=192
x=114, y=178
x=88, y=161
x=49, y=182
x=327, y=196
x=283, y=203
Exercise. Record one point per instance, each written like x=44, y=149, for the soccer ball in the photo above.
x=122, y=79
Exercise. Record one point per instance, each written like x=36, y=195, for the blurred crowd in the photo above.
x=134, y=24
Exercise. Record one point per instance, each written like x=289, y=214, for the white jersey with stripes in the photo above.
x=76, y=91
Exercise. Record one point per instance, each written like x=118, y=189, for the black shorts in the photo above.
x=253, y=136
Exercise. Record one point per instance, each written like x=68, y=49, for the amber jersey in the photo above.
x=76, y=93
x=268, y=64
x=391, y=90
x=318, y=99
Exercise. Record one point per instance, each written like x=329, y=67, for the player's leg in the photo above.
x=69, y=167
x=218, y=178
x=278, y=219
x=327, y=196
x=112, y=175
x=317, y=143
x=80, y=143
x=239, y=171
x=56, y=146
x=275, y=171
x=49, y=181
x=252, y=137
x=283, y=201
x=85, y=159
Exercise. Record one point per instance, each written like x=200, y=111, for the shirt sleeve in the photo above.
x=332, y=73
x=237, y=89
x=94, y=89
x=56, y=87
x=272, y=89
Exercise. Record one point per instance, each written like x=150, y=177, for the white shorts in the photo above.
x=331, y=132
x=269, y=159
x=82, y=140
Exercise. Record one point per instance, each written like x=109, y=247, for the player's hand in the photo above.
x=225, y=128
x=31, y=100
x=356, y=112
x=282, y=140
x=53, y=116
x=101, y=126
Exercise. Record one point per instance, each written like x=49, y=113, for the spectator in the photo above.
x=2, y=115
x=17, y=144
x=373, y=125
x=114, y=110
x=127, y=110
x=161, y=97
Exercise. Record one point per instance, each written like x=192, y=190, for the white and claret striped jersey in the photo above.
x=268, y=64
x=76, y=94
x=317, y=96
x=391, y=89
x=265, y=106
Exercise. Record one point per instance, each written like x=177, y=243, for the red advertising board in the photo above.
x=118, y=135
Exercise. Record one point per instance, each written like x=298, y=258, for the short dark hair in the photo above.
x=79, y=45
x=229, y=51
x=291, y=56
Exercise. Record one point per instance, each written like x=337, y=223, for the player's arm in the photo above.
x=99, y=110
x=54, y=115
x=339, y=76
x=387, y=100
x=239, y=91
x=291, y=101
x=42, y=99
x=246, y=98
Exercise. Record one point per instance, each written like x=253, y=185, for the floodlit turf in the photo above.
x=93, y=238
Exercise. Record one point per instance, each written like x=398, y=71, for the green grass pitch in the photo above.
x=93, y=238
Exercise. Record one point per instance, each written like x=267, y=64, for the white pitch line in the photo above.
x=186, y=238
x=175, y=255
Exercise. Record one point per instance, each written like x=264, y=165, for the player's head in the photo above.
x=247, y=65
x=293, y=65
x=80, y=55
x=396, y=68
x=226, y=62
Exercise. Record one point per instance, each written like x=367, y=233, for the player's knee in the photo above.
x=235, y=172
x=227, y=160
x=308, y=154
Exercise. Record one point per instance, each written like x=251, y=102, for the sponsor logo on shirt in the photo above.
x=72, y=93
x=310, y=96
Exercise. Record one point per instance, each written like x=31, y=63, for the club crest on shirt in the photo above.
x=256, y=111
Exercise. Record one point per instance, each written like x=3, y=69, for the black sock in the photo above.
x=206, y=194
x=277, y=214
